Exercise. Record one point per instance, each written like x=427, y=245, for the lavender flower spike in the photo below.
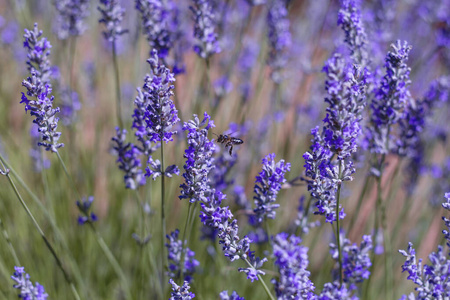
x=349, y=19
x=70, y=17
x=268, y=184
x=292, y=260
x=112, y=15
x=390, y=98
x=279, y=37
x=180, y=292
x=161, y=114
x=37, y=98
x=234, y=296
x=128, y=159
x=27, y=290
x=204, y=18
x=199, y=161
x=174, y=249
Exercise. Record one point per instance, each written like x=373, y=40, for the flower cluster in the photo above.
x=174, y=249
x=160, y=114
x=198, y=159
x=279, y=37
x=234, y=296
x=390, y=99
x=349, y=18
x=112, y=15
x=128, y=159
x=204, y=27
x=27, y=290
x=159, y=23
x=335, y=291
x=267, y=185
x=433, y=280
x=70, y=17
x=84, y=206
x=180, y=292
x=355, y=260
x=37, y=98
x=221, y=220
x=341, y=130
x=292, y=260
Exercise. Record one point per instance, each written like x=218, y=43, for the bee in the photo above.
x=229, y=141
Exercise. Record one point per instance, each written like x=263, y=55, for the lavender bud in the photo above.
x=204, y=27
x=27, y=290
x=112, y=16
x=180, y=292
x=174, y=249
x=70, y=17
x=84, y=206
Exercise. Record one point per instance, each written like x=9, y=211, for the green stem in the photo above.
x=358, y=205
x=261, y=281
x=59, y=236
x=41, y=232
x=184, y=242
x=99, y=238
x=163, y=219
x=338, y=240
x=117, y=81
x=112, y=260
x=8, y=241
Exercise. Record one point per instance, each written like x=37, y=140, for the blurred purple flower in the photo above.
x=234, y=296
x=204, y=28
x=70, y=17
x=70, y=105
x=335, y=291
x=111, y=15
x=84, y=206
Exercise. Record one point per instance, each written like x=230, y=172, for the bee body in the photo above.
x=228, y=141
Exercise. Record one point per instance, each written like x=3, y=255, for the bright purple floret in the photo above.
x=180, y=292
x=199, y=161
x=27, y=290
x=292, y=260
x=267, y=185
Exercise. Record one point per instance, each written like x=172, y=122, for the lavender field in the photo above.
x=224, y=149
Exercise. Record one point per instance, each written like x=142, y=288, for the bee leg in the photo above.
x=231, y=150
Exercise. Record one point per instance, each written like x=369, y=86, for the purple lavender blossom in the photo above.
x=234, y=296
x=26, y=287
x=154, y=169
x=279, y=37
x=221, y=219
x=38, y=99
x=159, y=23
x=334, y=291
x=432, y=280
x=174, y=248
x=204, y=27
x=180, y=292
x=222, y=86
x=198, y=159
x=349, y=19
x=70, y=17
x=84, y=206
x=111, y=15
x=390, y=99
x=160, y=115
x=292, y=260
x=128, y=159
x=355, y=260
x=267, y=185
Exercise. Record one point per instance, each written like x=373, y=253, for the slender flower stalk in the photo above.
x=74, y=291
x=112, y=15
